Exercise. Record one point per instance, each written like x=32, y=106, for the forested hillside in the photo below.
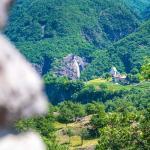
x=102, y=107
x=127, y=53
x=46, y=31
x=97, y=21
x=138, y=6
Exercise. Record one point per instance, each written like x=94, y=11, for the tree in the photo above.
x=133, y=78
x=65, y=111
x=114, y=138
x=44, y=126
x=107, y=76
x=70, y=133
x=99, y=120
x=62, y=85
x=134, y=71
x=145, y=69
x=78, y=110
x=92, y=108
x=84, y=134
x=145, y=129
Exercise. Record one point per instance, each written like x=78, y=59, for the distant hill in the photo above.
x=139, y=6
x=146, y=13
x=97, y=21
x=46, y=31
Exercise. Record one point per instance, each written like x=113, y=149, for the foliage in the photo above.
x=120, y=123
x=84, y=135
x=92, y=108
x=70, y=111
x=133, y=78
x=57, y=19
x=123, y=132
x=94, y=30
x=99, y=120
x=66, y=88
x=94, y=90
x=126, y=54
x=145, y=70
x=44, y=126
x=139, y=6
x=105, y=33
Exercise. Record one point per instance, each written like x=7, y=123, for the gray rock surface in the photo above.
x=71, y=66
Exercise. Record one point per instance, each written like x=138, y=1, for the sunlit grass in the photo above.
x=96, y=81
x=59, y=125
x=75, y=141
x=87, y=143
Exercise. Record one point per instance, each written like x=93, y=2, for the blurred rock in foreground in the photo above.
x=21, y=93
x=21, y=89
x=24, y=141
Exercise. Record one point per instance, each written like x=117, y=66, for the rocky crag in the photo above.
x=71, y=67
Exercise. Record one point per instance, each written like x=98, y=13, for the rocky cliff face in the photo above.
x=71, y=67
x=43, y=66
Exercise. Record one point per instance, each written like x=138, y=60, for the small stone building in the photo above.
x=116, y=76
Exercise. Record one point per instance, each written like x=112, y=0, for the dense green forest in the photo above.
x=92, y=112
x=105, y=33
x=127, y=53
x=139, y=6
x=63, y=18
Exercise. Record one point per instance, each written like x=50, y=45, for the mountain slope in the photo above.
x=132, y=49
x=47, y=30
x=97, y=21
x=126, y=54
x=139, y=6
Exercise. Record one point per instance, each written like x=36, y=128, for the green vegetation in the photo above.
x=63, y=86
x=119, y=123
x=69, y=112
x=70, y=18
x=99, y=31
x=145, y=70
x=127, y=54
x=97, y=89
x=93, y=112
x=43, y=125
x=124, y=131
x=139, y=6
x=98, y=114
